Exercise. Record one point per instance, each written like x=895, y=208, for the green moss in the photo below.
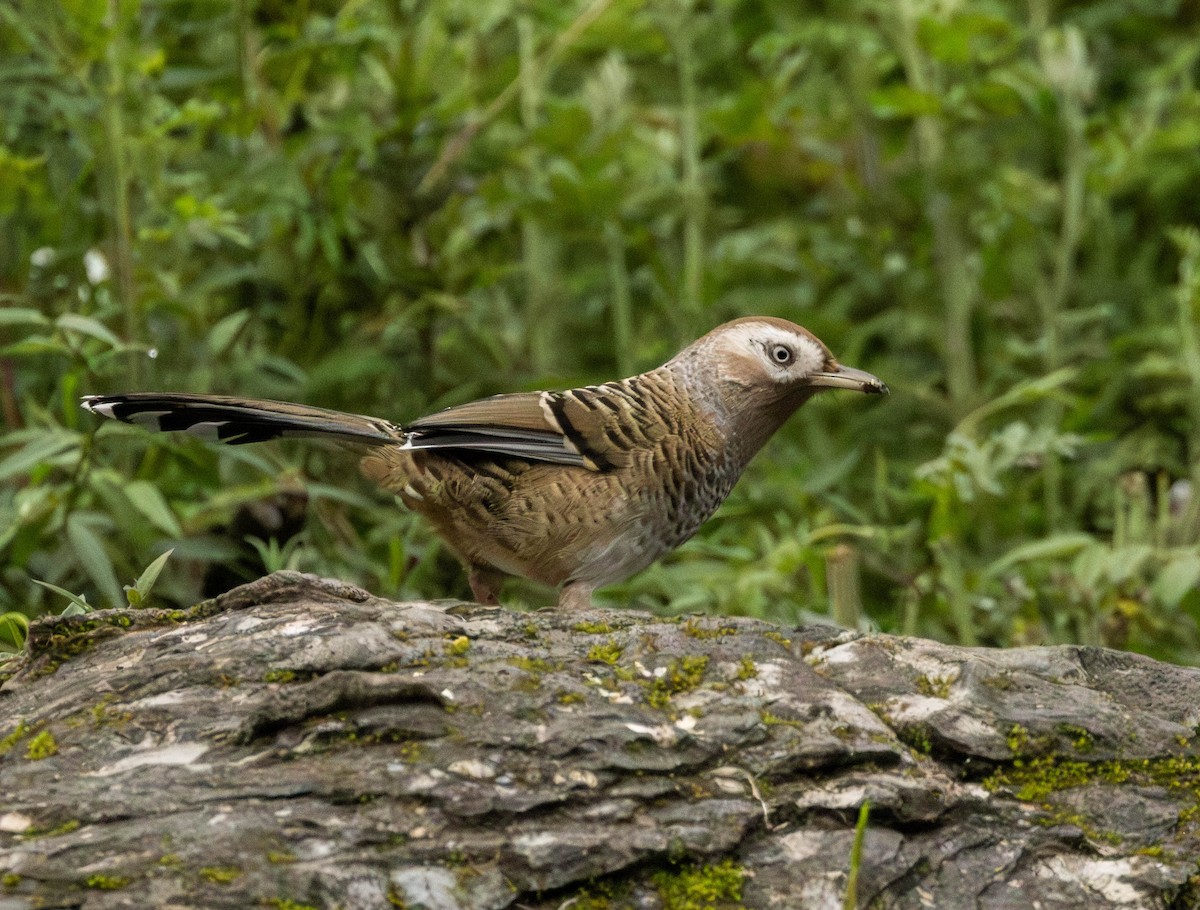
x=607, y=653
x=278, y=675
x=683, y=675
x=170, y=861
x=569, y=698
x=280, y=857
x=459, y=646
x=285, y=903
x=535, y=665
x=770, y=719
x=1038, y=780
x=531, y=684
x=66, y=827
x=396, y=900
x=10, y=880
x=45, y=666
x=694, y=629
x=716, y=887
x=221, y=875
x=592, y=628
x=778, y=637
x=1018, y=739
x=20, y=732
x=1080, y=738
x=64, y=647
x=41, y=746
x=412, y=751
x=102, y=882
x=601, y=896
x=531, y=630
x=104, y=715
x=916, y=738
x=747, y=668
x=934, y=686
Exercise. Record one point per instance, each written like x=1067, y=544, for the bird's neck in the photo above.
x=745, y=416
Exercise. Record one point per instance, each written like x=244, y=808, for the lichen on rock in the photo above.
x=300, y=743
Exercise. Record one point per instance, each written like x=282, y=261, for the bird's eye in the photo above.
x=781, y=354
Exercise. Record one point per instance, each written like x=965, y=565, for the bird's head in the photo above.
x=759, y=369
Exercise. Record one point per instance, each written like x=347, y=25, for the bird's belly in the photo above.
x=554, y=523
x=645, y=527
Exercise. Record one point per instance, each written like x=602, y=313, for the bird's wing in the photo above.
x=594, y=427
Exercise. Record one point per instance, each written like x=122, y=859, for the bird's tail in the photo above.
x=235, y=421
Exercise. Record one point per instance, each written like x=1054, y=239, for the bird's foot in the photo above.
x=575, y=595
x=485, y=585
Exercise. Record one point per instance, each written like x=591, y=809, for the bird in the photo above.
x=576, y=489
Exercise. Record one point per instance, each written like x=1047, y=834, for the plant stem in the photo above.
x=845, y=598
x=1187, y=297
x=959, y=291
x=622, y=306
x=458, y=144
x=540, y=326
x=691, y=187
x=860, y=832
x=1055, y=301
x=119, y=187
x=954, y=584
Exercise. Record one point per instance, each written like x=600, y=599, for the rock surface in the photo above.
x=299, y=743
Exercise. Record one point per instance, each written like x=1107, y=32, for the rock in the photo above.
x=299, y=743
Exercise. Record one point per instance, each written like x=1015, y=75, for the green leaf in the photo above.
x=151, y=503
x=1022, y=394
x=222, y=335
x=22, y=316
x=1177, y=578
x=90, y=552
x=898, y=101
x=146, y=580
x=85, y=325
x=44, y=447
x=1057, y=547
x=77, y=601
x=36, y=345
x=14, y=629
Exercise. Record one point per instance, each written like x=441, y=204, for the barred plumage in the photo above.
x=578, y=488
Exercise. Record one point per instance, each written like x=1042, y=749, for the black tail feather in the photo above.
x=236, y=421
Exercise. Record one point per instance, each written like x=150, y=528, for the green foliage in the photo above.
x=392, y=207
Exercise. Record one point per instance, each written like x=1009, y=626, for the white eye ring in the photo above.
x=781, y=354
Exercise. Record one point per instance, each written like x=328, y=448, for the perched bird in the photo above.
x=579, y=488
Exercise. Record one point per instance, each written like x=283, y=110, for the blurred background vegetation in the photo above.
x=391, y=206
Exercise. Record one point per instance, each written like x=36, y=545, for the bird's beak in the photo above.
x=848, y=378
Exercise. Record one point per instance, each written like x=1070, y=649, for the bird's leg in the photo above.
x=485, y=584
x=576, y=595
